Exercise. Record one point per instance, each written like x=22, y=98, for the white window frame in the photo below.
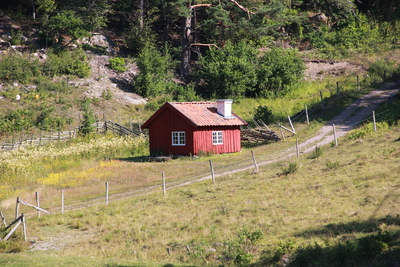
x=217, y=138
x=178, y=138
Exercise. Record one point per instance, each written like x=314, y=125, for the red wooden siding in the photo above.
x=160, y=132
x=203, y=140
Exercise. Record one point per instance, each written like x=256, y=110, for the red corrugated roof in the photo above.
x=199, y=114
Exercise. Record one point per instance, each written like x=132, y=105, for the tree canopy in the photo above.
x=217, y=42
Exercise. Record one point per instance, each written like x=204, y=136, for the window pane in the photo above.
x=178, y=138
x=217, y=137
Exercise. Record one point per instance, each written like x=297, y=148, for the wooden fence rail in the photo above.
x=16, y=141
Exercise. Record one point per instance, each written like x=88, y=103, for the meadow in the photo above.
x=335, y=199
x=324, y=209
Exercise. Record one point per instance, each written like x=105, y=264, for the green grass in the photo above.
x=316, y=204
x=307, y=93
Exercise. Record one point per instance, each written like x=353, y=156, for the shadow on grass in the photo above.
x=368, y=226
x=135, y=159
x=375, y=247
x=341, y=247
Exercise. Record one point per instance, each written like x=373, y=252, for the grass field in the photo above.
x=335, y=206
x=337, y=196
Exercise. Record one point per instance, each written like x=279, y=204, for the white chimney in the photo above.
x=224, y=108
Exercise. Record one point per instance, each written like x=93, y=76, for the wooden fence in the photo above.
x=17, y=140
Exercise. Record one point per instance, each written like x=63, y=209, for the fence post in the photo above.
x=140, y=128
x=373, y=119
x=163, y=183
x=62, y=201
x=291, y=124
x=254, y=160
x=337, y=88
x=24, y=227
x=308, y=121
x=3, y=219
x=17, y=208
x=358, y=83
x=37, y=203
x=280, y=129
x=212, y=171
x=334, y=134
x=106, y=193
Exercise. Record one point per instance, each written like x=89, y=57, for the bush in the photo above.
x=367, y=129
x=64, y=62
x=238, y=70
x=155, y=76
x=18, y=68
x=264, y=114
x=292, y=168
x=278, y=71
x=316, y=153
x=240, y=251
x=117, y=64
x=228, y=72
x=381, y=69
x=107, y=94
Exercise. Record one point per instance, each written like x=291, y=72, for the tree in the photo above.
x=238, y=70
x=278, y=70
x=155, y=77
x=92, y=12
x=228, y=72
x=66, y=23
x=86, y=126
x=335, y=10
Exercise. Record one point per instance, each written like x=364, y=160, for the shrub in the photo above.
x=264, y=114
x=316, y=153
x=278, y=71
x=367, y=129
x=228, y=72
x=64, y=62
x=155, y=76
x=117, y=64
x=292, y=168
x=239, y=251
x=18, y=68
x=107, y=94
x=381, y=69
x=332, y=164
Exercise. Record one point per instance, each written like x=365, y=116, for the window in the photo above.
x=217, y=138
x=178, y=139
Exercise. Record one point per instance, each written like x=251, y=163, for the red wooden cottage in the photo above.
x=184, y=128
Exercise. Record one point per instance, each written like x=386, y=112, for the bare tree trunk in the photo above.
x=186, y=40
x=185, y=45
x=141, y=15
x=167, y=22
